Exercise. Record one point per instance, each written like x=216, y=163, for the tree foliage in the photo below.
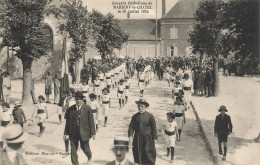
x=22, y=28
x=225, y=27
x=109, y=33
x=206, y=33
x=241, y=19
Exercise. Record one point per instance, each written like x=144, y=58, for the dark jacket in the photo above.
x=208, y=78
x=19, y=116
x=223, y=125
x=114, y=163
x=86, y=122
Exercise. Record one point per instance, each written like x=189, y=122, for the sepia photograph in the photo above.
x=129, y=82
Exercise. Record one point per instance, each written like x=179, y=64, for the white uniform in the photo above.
x=179, y=110
x=41, y=111
x=112, y=72
x=95, y=109
x=170, y=128
x=127, y=86
x=102, y=80
x=97, y=87
x=121, y=91
x=105, y=104
x=141, y=81
x=6, y=117
x=108, y=78
x=187, y=87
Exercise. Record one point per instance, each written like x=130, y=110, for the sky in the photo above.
x=106, y=6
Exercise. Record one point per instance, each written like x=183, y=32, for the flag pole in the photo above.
x=156, y=31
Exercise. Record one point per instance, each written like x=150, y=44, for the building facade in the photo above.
x=172, y=32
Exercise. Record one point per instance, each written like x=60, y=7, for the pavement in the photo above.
x=242, y=98
x=49, y=148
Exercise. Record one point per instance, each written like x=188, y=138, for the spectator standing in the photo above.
x=6, y=86
x=48, y=86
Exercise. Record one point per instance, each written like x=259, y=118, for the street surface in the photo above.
x=242, y=98
x=48, y=149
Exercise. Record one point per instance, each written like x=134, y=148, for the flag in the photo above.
x=64, y=88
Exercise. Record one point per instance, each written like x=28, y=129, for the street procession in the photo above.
x=155, y=82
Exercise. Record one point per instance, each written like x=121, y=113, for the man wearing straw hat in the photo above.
x=143, y=126
x=121, y=148
x=79, y=127
x=223, y=128
x=14, y=138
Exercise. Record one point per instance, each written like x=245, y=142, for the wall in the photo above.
x=135, y=49
x=184, y=26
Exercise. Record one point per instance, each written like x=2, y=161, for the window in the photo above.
x=172, y=51
x=174, y=33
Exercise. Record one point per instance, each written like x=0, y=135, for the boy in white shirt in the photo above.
x=169, y=133
x=105, y=98
x=121, y=93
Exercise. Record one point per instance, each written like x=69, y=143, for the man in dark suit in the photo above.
x=121, y=147
x=223, y=128
x=79, y=127
x=208, y=82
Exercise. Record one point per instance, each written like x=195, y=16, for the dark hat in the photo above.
x=79, y=94
x=41, y=97
x=60, y=104
x=5, y=104
x=105, y=89
x=122, y=80
x=186, y=75
x=170, y=114
x=126, y=77
x=92, y=95
x=222, y=108
x=142, y=101
x=121, y=142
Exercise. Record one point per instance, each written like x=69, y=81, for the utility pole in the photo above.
x=156, y=31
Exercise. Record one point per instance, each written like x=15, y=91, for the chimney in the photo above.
x=163, y=7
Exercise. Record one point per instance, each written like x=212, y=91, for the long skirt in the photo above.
x=144, y=149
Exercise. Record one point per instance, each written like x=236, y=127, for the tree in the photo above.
x=78, y=27
x=206, y=36
x=110, y=35
x=22, y=24
x=240, y=19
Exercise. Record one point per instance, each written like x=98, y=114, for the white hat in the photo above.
x=14, y=134
x=17, y=103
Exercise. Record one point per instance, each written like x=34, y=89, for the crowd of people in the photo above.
x=81, y=108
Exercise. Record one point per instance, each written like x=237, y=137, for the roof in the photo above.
x=183, y=9
x=140, y=29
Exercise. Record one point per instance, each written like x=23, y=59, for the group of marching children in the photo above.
x=114, y=78
x=182, y=86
